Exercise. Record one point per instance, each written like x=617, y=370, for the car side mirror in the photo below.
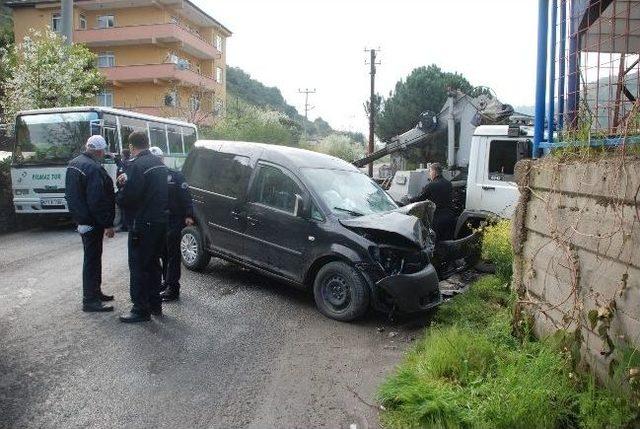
x=298, y=209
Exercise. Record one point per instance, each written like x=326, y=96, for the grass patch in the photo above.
x=469, y=371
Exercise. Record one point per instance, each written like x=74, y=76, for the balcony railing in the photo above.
x=158, y=72
x=148, y=34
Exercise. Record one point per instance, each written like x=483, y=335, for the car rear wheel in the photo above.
x=340, y=292
x=194, y=255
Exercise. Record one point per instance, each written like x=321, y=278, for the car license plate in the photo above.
x=52, y=202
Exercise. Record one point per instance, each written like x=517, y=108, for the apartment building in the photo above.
x=161, y=57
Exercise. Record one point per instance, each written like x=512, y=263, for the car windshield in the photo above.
x=348, y=193
x=53, y=138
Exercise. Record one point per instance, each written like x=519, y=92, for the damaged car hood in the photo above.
x=398, y=225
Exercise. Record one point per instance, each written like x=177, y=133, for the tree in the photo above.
x=195, y=104
x=340, y=146
x=424, y=89
x=43, y=71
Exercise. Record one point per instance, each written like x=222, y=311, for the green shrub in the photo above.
x=340, y=146
x=496, y=247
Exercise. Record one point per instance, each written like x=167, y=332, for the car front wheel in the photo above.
x=340, y=292
x=192, y=251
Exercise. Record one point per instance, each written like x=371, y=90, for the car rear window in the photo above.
x=223, y=173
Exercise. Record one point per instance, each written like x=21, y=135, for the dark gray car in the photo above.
x=313, y=221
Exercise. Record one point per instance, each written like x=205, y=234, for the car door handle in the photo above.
x=489, y=188
x=252, y=221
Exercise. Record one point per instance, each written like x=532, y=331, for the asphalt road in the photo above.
x=239, y=350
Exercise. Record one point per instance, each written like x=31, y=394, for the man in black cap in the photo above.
x=91, y=201
x=180, y=215
x=144, y=195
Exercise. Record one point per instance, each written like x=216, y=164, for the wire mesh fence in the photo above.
x=593, y=72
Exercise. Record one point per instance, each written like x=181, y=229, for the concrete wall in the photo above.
x=576, y=237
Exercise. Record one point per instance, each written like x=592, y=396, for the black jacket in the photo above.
x=145, y=194
x=180, y=204
x=439, y=191
x=89, y=192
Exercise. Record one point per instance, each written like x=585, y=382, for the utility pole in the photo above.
x=67, y=20
x=307, y=106
x=372, y=103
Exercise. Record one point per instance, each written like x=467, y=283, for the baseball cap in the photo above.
x=96, y=142
x=155, y=150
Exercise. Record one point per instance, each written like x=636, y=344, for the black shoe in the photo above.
x=96, y=307
x=156, y=310
x=104, y=298
x=170, y=294
x=132, y=317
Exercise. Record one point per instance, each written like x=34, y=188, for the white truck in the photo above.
x=484, y=140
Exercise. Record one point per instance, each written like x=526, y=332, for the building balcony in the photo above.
x=157, y=73
x=168, y=33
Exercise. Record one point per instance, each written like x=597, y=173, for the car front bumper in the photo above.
x=415, y=292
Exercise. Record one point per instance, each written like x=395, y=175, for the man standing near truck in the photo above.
x=90, y=196
x=440, y=191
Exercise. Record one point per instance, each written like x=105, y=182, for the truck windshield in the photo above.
x=348, y=193
x=52, y=138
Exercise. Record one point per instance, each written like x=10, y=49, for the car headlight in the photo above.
x=19, y=192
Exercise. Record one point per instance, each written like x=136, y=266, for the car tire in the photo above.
x=340, y=292
x=192, y=250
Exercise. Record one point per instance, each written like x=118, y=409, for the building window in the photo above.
x=218, y=42
x=219, y=74
x=172, y=58
x=56, y=22
x=194, y=103
x=106, y=21
x=105, y=99
x=171, y=99
x=106, y=59
x=83, y=22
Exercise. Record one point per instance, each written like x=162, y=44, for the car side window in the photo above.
x=226, y=174
x=273, y=188
x=316, y=214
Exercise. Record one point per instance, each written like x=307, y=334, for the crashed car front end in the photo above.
x=399, y=267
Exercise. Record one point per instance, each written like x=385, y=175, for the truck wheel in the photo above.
x=340, y=292
x=192, y=252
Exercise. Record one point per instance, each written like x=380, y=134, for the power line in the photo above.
x=372, y=102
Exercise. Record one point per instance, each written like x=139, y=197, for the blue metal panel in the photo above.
x=552, y=69
x=562, y=58
x=541, y=74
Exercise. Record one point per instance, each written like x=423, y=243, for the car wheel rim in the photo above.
x=336, y=293
x=189, y=248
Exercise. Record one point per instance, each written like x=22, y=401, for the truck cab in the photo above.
x=491, y=188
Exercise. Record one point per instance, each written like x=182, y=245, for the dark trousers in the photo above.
x=146, y=241
x=171, y=255
x=92, y=265
x=444, y=224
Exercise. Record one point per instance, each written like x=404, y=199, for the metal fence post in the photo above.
x=541, y=74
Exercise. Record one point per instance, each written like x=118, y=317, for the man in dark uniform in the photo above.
x=180, y=215
x=144, y=195
x=440, y=191
x=91, y=201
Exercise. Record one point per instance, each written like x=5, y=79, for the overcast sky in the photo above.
x=319, y=44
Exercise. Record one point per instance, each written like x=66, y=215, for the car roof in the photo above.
x=289, y=157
